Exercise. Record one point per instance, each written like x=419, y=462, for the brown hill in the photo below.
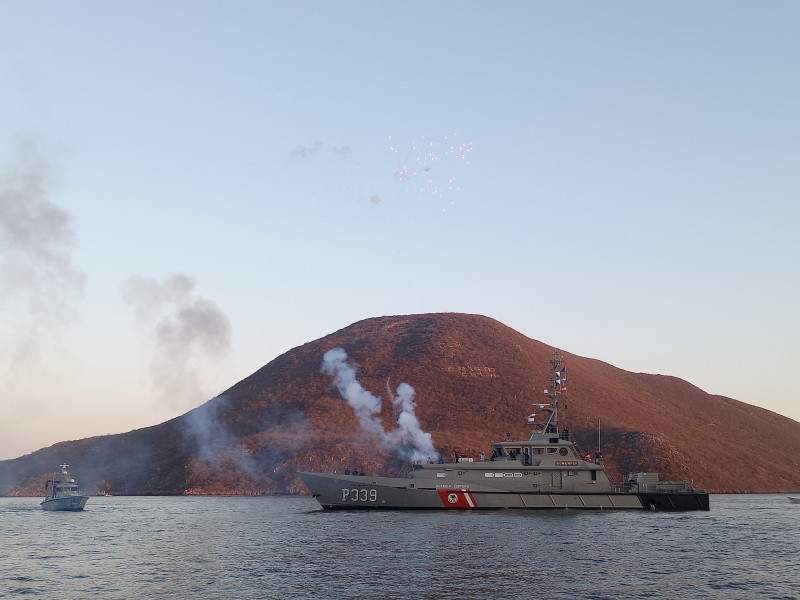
x=475, y=379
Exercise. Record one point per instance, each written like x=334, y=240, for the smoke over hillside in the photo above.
x=39, y=285
x=182, y=332
x=407, y=440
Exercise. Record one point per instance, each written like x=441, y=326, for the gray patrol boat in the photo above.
x=64, y=493
x=545, y=471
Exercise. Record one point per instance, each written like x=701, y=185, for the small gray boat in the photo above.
x=794, y=500
x=545, y=471
x=63, y=493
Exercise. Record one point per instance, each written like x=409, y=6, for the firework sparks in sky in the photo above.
x=432, y=166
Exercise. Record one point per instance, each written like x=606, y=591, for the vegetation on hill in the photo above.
x=474, y=380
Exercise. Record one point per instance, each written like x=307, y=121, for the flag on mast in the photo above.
x=561, y=379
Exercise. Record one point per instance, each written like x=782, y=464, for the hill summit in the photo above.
x=386, y=390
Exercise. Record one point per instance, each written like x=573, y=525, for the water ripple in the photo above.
x=287, y=548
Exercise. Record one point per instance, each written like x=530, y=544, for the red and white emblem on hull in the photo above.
x=456, y=498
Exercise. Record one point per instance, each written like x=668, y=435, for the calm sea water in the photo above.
x=286, y=547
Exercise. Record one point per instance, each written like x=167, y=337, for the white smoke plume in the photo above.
x=407, y=439
x=203, y=427
x=185, y=330
x=39, y=285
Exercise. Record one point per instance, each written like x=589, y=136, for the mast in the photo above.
x=555, y=383
x=548, y=423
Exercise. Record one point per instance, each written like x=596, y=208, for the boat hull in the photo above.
x=675, y=500
x=335, y=491
x=69, y=503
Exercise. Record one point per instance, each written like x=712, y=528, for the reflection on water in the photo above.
x=286, y=547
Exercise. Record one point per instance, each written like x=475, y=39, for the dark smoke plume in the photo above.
x=305, y=151
x=184, y=330
x=39, y=285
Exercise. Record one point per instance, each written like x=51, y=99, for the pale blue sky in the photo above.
x=619, y=180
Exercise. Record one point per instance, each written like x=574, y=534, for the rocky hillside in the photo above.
x=474, y=380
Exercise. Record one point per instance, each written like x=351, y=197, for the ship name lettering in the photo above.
x=359, y=495
x=566, y=463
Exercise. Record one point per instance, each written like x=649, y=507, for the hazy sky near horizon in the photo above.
x=190, y=189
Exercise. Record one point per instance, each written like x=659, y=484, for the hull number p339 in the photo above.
x=359, y=495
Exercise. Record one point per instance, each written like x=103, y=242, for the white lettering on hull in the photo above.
x=359, y=495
